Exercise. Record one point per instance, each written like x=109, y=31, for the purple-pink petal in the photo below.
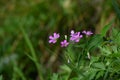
x=81, y=36
x=56, y=35
x=50, y=41
x=53, y=39
x=77, y=40
x=72, y=32
x=84, y=32
x=50, y=37
x=87, y=33
x=64, y=43
x=75, y=36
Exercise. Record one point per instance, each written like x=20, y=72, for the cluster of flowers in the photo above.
x=74, y=37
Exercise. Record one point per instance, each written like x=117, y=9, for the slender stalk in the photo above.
x=16, y=72
x=33, y=54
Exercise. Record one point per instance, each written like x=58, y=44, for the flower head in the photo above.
x=88, y=33
x=64, y=43
x=53, y=39
x=75, y=36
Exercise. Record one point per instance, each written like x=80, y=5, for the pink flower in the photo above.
x=64, y=43
x=53, y=39
x=75, y=36
x=88, y=33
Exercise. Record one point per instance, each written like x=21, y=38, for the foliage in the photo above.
x=25, y=53
x=104, y=64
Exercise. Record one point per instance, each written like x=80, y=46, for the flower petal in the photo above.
x=84, y=32
x=51, y=37
x=50, y=41
x=54, y=41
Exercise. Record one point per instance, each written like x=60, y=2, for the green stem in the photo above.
x=33, y=54
x=17, y=72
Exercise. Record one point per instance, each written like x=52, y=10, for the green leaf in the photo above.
x=116, y=7
x=116, y=55
x=93, y=59
x=94, y=42
x=65, y=68
x=105, y=50
x=54, y=77
x=106, y=28
x=115, y=34
x=90, y=74
x=116, y=65
x=99, y=66
x=99, y=74
x=75, y=78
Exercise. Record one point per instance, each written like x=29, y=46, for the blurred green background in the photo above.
x=39, y=19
